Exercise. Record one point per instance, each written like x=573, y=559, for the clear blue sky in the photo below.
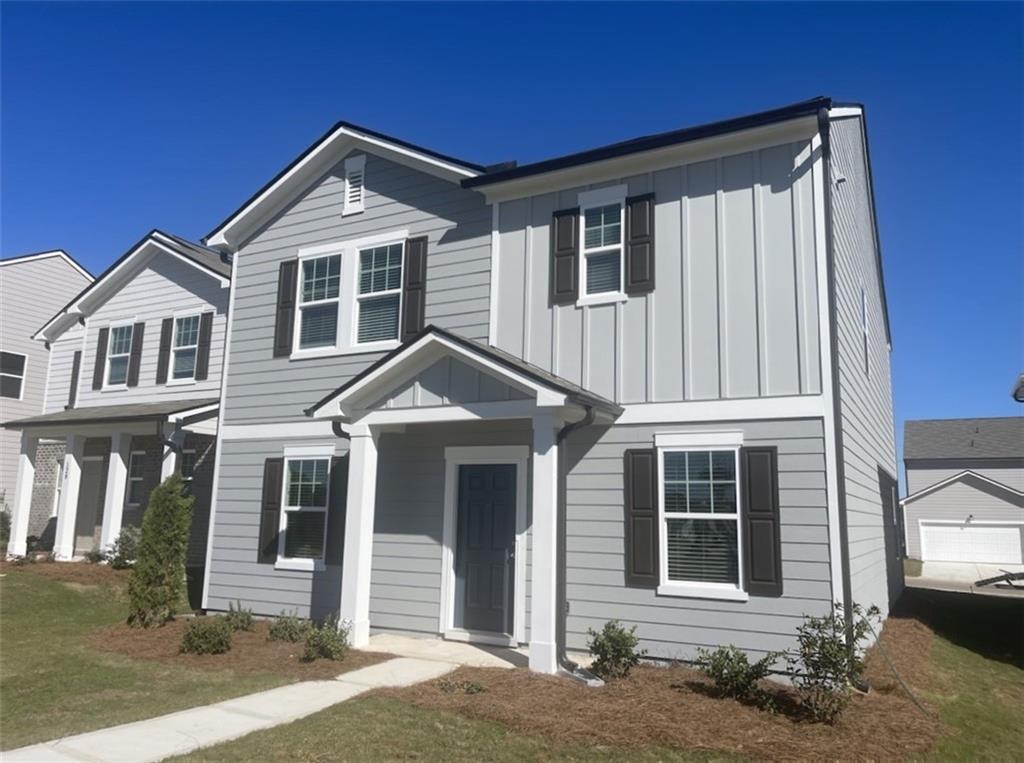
x=117, y=118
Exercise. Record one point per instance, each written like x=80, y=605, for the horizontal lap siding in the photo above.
x=62, y=360
x=672, y=627
x=865, y=397
x=456, y=222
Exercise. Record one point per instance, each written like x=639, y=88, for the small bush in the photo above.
x=824, y=664
x=5, y=530
x=206, y=635
x=614, y=649
x=448, y=686
x=734, y=675
x=239, y=619
x=328, y=640
x=289, y=627
x=95, y=556
x=157, y=582
x=126, y=547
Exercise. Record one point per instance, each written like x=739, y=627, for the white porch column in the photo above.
x=359, y=511
x=543, y=651
x=64, y=543
x=117, y=479
x=23, y=494
x=170, y=455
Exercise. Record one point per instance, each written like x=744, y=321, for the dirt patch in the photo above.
x=251, y=652
x=677, y=707
x=78, y=573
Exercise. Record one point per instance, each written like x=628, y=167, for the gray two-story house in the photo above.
x=132, y=393
x=648, y=381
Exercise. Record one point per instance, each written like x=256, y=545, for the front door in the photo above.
x=484, y=563
x=89, y=513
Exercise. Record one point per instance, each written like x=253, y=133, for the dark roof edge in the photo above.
x=316, y=143
x=658, y=140
x=41, y=421
x=16, y=258
x=907, y=422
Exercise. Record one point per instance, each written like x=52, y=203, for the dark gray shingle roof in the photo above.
x=99, y=414
x=964, y=438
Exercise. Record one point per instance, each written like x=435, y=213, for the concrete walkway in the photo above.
x=961, y=577
x=178, y=733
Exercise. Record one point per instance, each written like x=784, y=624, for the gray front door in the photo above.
x=89, y=513
x=484, y=565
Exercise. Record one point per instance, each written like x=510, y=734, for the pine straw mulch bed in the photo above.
x=677, y=707
x=79, y=573
x=250, y=652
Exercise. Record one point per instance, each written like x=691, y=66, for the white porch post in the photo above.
x=117, y=479
x=359, y=511
x=64, y=543
x=23, y=494
x=170, y=455
x=543, y=651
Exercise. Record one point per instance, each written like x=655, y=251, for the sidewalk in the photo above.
x=188, y=730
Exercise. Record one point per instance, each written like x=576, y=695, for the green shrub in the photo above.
x=206, y=635
x=289, y=627
x=5, y=530
x=448, y=686
x=328, y=640
x=95, y=556
x=125, y=549
x=824, y=664
x=734, y=675
x=614, y=649
x=239, y=619
x=157, y=582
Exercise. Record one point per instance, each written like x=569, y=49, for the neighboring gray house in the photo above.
x=648, y=381
x=965, y=490
x=133, y=384
x=32, y=288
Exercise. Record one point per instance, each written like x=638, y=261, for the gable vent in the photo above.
x=355, y=175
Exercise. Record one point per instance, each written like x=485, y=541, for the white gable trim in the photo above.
x=46, y=255
x=958, y=478
x=343, y=139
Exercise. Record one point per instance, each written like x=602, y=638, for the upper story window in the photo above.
x=186, y=345
x=355, y=177
x=380, y=293
x=12, y=375
x=118, y=353
x=319, y=294
x=602, y=220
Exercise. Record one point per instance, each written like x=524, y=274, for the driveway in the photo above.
x=961, y=576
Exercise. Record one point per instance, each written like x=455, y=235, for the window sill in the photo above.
x=180, y=382
x=331, y=352
x=698, y=591
x=300, y=565
x=609, y=298
x=114, y=388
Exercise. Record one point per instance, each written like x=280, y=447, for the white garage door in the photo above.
x=988, y=544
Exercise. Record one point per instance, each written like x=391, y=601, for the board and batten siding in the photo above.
x=31, y=292
x=922, y=474
x=457, y=224
x=165, y=286
x=448, y=382
x=674, y=627
x=865, y=393
x=734, y=313
x=956, y=502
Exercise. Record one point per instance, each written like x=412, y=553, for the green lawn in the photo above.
x=53, y=682
x=379, y=728
x=912, y=568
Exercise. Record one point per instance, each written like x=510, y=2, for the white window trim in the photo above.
x=129, y=479
x=303, y=453
x=107, y=386
x=354, y=164
x=348, y=305
x=24, y=375
x=602, y=197
x=358, y=298
x=669, y=442
x=185, y=380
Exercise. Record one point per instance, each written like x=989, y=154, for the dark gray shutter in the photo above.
x=335, y=542
x=641, y=478
x=414, y=288
x=135, y=359
x=640, y=244
x=270, y=510
x=762, y=546
x=203, y=351
x=100, y=366
x=76, y=366
x=565, y=256
x=284, y=323
x=163, y=360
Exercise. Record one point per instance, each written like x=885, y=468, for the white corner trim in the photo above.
x=845, y=111
x=755, y=408
x=698, y=439
x=492, y=321
x=599, y=197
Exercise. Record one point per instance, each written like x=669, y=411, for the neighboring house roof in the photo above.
x=25, y=258
x=318, y=158
x=204, y=259
x=102, y=414
x=966, y=475
x=964, y=438
x=468, y=348
x=1018, y=389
